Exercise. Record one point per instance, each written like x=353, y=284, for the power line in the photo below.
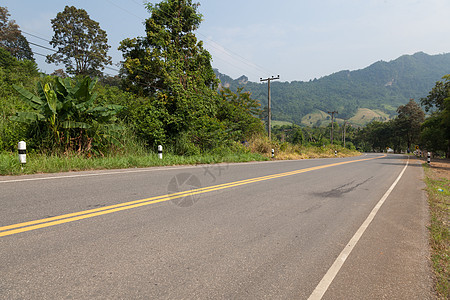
x=37, y=45
x=125, y=10
x=220, y=48
x=242, y=59
x=33, y=35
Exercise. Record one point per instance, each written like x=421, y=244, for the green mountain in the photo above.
x=383, y=86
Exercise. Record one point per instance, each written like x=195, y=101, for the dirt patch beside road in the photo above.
x=441, y=168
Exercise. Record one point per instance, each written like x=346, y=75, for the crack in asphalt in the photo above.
x=341, y=190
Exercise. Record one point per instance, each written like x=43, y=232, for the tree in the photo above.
x=376, y=136
x=82, y=46
x=11, y=37
x=433, y=135
x=407, y=124
x=169, y=53
x=240, y=114
x=439, y=124
x=172, y=68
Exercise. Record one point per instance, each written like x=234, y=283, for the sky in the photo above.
x=297, y=39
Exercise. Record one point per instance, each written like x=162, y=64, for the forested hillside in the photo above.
x=383, y=86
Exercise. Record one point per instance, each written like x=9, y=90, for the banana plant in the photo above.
x=67, y=113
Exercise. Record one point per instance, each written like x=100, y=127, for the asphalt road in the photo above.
x=263, y=230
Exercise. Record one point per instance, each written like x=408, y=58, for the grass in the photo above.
x=40, y=163
x=362, y=117
x=281, y=123
x=365, y=115
x=438, y=190
x=312, y=118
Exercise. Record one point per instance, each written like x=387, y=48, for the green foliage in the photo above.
x=81, y=44
x=376, y=136
x=64, y=116
x=433, y=135
x=438, y=126
x=178, y=105
x=169, y=58
x=171, y=68
x=239, y=112
x=407, y=124
x=13, y=71
x=149, y=118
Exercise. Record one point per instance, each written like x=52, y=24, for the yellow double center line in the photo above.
x=66, y=218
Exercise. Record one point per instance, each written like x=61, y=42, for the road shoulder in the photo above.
x=391, y=261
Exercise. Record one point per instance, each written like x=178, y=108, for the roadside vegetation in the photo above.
x=438, y=189
x=256, y=149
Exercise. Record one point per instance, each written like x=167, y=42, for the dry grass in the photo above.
x=286, y=151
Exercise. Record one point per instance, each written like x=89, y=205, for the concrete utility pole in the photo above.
x=332, y=123
x=269, y=113
x=345, y=123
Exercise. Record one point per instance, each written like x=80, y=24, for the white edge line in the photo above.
x=326, y=281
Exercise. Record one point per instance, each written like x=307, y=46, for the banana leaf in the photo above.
x=73, y=125
x=52, y=100
x=31, y=99
x=27, y=117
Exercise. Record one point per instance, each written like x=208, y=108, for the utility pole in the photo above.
x=345, y=123
x=269, y=113
x=332, y=123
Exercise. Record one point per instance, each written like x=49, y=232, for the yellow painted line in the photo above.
x=66, y=218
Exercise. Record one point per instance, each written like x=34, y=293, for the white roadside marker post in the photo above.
x=22, y=147
x=160, y=151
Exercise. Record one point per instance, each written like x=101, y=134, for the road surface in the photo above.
x=343, y=228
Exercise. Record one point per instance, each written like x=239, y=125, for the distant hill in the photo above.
x=381, y=87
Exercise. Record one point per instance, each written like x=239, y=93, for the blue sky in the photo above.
x=297, y=39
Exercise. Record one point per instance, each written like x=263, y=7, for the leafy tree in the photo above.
x=433, y=135
x=169, y=53
x=439, y=124
x=376, y=136
x=148, y=117
x=11, y=37
x=171, y=67
x=407, y=124
x=240, y=114
x=82, y=46
x=64, y=116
